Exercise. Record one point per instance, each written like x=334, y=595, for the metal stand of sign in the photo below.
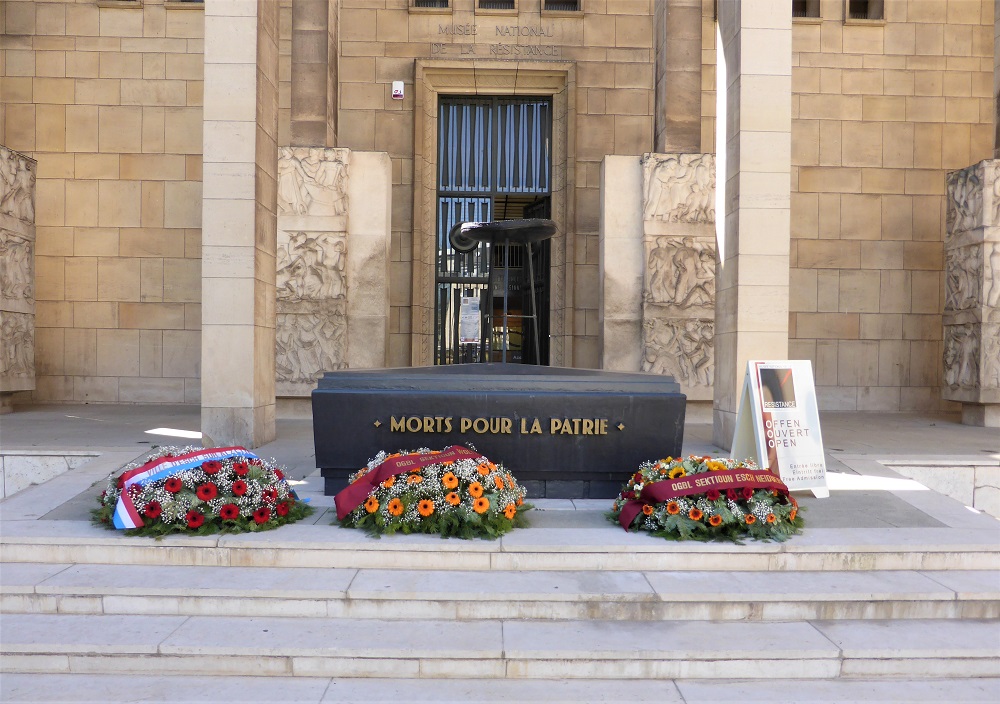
x=466, y=236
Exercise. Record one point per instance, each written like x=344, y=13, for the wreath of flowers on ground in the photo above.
x=455, y=492
x=196, y=491
x=700, y=498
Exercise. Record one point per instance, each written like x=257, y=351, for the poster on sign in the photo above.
x=469, y=322
x=777, y=423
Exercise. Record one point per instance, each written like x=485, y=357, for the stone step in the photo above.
x=577, y=541
x=93, y=689
x=516, y=649
x=458, y=595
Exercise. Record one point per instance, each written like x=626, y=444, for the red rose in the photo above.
x=712, y=494
x=282, y=508
x=270, y=495
x=173, y=485
x=256, y=461
x=262, y=515
x=211, y=467
x=239, y=487
x=731, y=494
x=207, y=491
x=152, y=510
x=628, y=495
x=279, y=474
x=195, y=519
x=229, y=512
x=241, y=468
x=747, y=492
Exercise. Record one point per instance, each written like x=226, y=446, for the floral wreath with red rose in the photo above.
x=197, y=491
x=700, y=498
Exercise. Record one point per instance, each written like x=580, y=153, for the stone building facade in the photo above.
x=829, y=243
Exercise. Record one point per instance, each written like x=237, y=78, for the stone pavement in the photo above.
x=891, y=594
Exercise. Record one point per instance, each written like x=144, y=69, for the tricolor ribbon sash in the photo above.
x=658, y=492
x=355, y=494
x=126, y=515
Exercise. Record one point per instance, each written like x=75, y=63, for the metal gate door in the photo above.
x=494, y=163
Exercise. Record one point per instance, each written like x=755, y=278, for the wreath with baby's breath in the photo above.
x=731, y=512
x=465, y=498
x=198, y=492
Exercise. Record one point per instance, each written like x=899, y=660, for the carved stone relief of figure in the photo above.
x=312, y=181
x=965, y=199
x=682, y=348
x=17, y=353
x=681, y=273
x=991, y=360
x=993, y=279
x=961, y=356
x=963, y=278
x=15, y=266
x=680, y=188
x=308, y=344
x=311, y=267
x=17, y=185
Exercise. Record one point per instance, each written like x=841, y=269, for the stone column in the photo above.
x=751, y=310
x=972, y=293
x=677, y=37
x=17, y=275
x=239, y=222
x=314, y=73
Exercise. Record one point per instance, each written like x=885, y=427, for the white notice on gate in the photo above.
x=778, y=423
x=469, y=322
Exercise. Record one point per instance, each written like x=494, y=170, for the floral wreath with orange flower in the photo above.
x=198, y=491
x=701, y=498
x=469, y=497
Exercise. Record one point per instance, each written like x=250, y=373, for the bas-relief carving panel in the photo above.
x=17, y=298
x=311, y=281
x=678, y=329
x=972, y=285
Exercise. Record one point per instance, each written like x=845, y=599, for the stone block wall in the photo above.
x=17, y=275
x=881, y=112
x=108, y=100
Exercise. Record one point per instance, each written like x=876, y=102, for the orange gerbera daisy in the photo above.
x=498, y=481
x=475, y=490
x=483, y=469
x=520, y=501
x=396, y=507
x=750, y=519
x=481, y=505
x=771, y=518
x=414, y=479
x=452, y=498
x=387, y=484
x=793, y=514
x=425, y=508
x=673, y=508
x=371, y=505
x=715, y=521
x=647, y=510
x=491, y=465
x=510, y=512
x=695, y=514
x=449, y=480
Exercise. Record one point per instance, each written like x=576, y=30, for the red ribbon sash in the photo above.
x=355, y=494
x=668, y=489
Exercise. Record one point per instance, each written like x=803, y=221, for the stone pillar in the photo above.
x=239, y=222
x=751, y=310
x=620, y=264
x=333, y=257
x=678, y=305
x=314, y=73
x=17, y=275
x=972, y=293
x=677, y=38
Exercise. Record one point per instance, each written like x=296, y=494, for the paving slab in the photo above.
x=69, y=633
x=896, y=691
x=970, y=584
x=914, y=638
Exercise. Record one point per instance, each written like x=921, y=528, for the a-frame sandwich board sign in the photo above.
x=777, y=424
